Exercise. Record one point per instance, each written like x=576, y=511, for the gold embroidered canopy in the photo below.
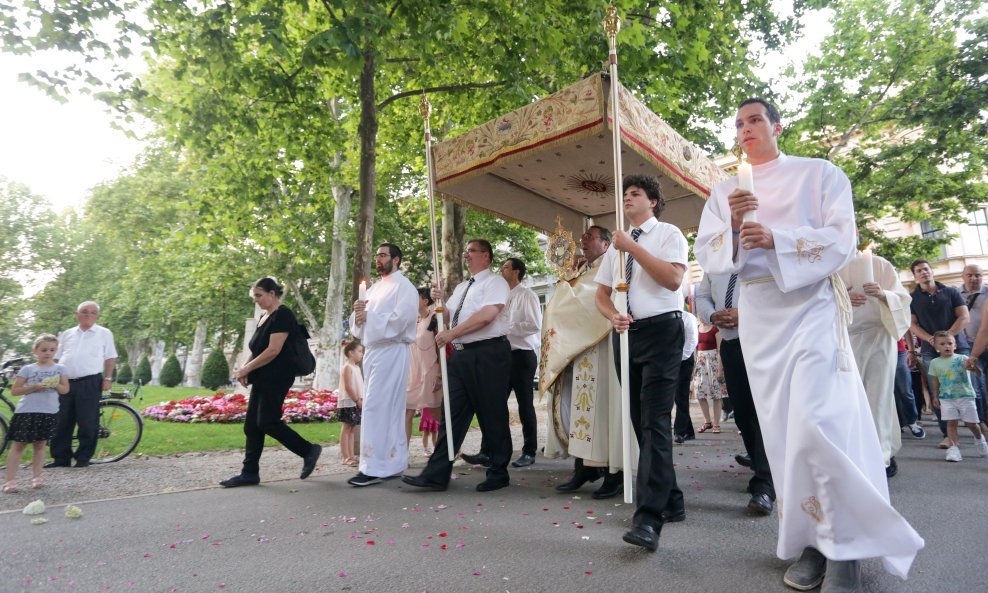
x=553, y=158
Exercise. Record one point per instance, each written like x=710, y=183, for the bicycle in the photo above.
x=120, y=425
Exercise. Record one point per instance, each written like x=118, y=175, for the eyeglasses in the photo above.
x=88, y=312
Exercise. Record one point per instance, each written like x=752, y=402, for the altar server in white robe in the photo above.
x=822, y=447
x=385, y=324
x=880, y=307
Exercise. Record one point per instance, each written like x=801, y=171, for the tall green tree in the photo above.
x=896, y=97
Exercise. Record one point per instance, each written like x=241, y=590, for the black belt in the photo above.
x=100, y=375
x=638, y=323
x=479, y=343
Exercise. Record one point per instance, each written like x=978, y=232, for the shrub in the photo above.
x=215, y=371
x=143, y=372
x=125, y=375
x=171, y=372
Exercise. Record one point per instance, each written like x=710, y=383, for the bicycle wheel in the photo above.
x=120, y=429
x=3, y=434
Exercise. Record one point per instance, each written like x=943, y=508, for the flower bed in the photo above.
x=300, y=406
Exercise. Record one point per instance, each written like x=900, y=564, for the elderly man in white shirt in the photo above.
x=88, y=354
x=478, y=372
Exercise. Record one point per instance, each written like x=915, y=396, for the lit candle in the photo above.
x=867, y=273
x=747, y=182
x=362, y=291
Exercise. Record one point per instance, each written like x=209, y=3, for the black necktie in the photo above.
x=971, y=298
x=729, y=299
x=635, y=233
x=456, y=314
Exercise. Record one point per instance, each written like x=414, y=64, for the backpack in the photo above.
x=302, y=361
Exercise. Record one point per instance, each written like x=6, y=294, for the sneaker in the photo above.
x=917, y=431
x=362, y=479
x=982, y=447
x=954, y=454
x=945, y=443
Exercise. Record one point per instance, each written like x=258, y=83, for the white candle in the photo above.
x=747, y=182
x=867, y=272
x=362, y=291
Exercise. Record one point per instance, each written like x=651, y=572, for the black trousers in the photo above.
x=478, y=384
x=264, y=411
x=523, y=365
x=745, y=417
x=79, y=407
x=684, y=424
x=655, y=354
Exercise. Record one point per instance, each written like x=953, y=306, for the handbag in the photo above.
x=302, y=360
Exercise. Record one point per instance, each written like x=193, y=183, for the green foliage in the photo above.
x=215, y=371
x=143, y=371
x=124, y=374
x=171, y=372
x=896, y=98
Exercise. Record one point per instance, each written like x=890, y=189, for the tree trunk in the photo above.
x=328, y=356
x=367, y=131
x=157, y=359
x=193, y=366
x=454, y=229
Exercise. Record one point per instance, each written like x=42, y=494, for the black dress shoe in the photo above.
x=761, y=504
x=420, y=482
x=491, y=485
x=743, y=460
x=52, y=464
x=81, y=464
x=613, y=486
x=679, y=440
x=241, y=480
x=892, y=469
x=524, y=461
x=581, y=475
x=478, y=459
x=677, y=516
x=309, y=461
x=643, y=535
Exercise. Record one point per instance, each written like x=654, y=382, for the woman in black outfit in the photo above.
x=271, y=375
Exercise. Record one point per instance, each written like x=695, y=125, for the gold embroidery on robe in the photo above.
x=717, y=242
x=811, y=506
x=811, y=250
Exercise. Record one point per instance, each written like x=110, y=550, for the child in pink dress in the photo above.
x=351, y=399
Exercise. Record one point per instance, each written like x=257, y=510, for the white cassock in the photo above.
x=875, y=332
x=819, y=436
x=576, y=371
x=387, y=335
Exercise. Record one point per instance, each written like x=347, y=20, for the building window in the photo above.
x=974, y=234
x=933, y=233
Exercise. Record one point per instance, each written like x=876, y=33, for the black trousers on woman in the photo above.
x=655, y=354
x=683, y=426
x=264, y=411
x=745, y=416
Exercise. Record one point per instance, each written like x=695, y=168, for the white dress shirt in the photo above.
x=524, y=316
x=692, y=334
x=711, y=297
x=487, y=289
x=646, y=298
x=83, y=353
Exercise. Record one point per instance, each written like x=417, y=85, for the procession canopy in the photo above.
x=553, y=158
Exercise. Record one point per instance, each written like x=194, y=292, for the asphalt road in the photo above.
x=322, y=535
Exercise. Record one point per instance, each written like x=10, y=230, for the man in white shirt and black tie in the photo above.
x=478, y=371
x=655, y=263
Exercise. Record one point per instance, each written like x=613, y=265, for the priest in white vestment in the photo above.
x=385, y=323
x=820, y=439
x=577, y=375
x=881, y=315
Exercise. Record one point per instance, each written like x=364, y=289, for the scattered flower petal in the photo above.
x=73, y=512
x=34, y=508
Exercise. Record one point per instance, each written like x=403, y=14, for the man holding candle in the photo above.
x=880, y=307
x=822, y=447
x=384, y=320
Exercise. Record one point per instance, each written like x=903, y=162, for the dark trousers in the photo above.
x=905, y=401
x=683, y=426
x=523, y=365
x=745, y=417
x=655, y=354
x=264, y=411
x=478, y=384
x=79, y=407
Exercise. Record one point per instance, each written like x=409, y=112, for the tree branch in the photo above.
x=391, y=12
x=332, y=15
x=440, y=89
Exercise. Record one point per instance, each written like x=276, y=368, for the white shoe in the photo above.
x=982, y=447
x=954, y=454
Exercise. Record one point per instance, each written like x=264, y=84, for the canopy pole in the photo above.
x=612, y=24
x=425, y=108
